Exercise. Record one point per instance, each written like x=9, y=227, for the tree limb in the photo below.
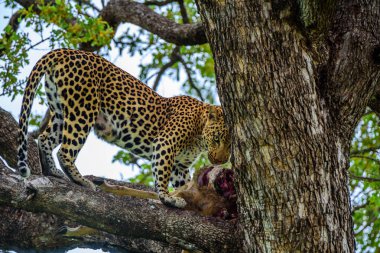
x=363, y=151
x=159, y=3
x=190, y=79
x=349, y=56
x=368, y=179
x=358, y=207
x=120, y=216
x=374, y=103
x=182, y=7
x=123, y=216
x=44, y=231
x=117, y=11
x=366, y=157
x=174, y=58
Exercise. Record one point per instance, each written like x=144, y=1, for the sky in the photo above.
x=96, y=156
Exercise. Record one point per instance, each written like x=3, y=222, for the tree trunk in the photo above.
x=304, y=74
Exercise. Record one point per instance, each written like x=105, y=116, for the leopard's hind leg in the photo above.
x=52, y=135
x=73, y=139
x=47, y=142
x=79, y=117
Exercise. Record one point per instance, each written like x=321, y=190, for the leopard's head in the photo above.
x=217, y=136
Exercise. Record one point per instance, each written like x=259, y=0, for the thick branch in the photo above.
x=117, y=12
x=118, y=215
x=43, y=231
x=349, y=79
x=129, y=217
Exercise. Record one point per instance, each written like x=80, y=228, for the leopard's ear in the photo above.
x=212, y=112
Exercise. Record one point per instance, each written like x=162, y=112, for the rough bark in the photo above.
x=20, y=229
x=117, y=12
x=122, y=221
x=304, y=82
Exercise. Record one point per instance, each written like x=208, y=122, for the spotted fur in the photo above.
x=85, y=91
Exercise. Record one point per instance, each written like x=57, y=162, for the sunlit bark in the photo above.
x=293, y=87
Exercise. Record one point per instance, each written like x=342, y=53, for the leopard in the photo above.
x=85, y=91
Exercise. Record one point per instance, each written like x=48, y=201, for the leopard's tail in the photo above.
x=30, y=90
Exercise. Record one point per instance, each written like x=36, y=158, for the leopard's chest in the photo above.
x=189, y=153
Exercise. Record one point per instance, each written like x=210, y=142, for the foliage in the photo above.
x=70, y=25
x=365, y=183
x=73, y=23
x=200, y=79
x=145, y=169
x=14, y=50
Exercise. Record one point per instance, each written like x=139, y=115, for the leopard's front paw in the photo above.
x=91, y=185
x=86, y=183
x=172, y=201
x=57, y=173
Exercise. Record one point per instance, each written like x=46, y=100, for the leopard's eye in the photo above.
x=216, y=138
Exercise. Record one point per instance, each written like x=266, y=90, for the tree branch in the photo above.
x=349, y=55
x=190, y=79
x=374, y=103
x=363, y=151
x=358, y=207
x=120, y=216
x=159, y=3
x=43, y=231
x=182, y=7
x=174, y=58
x=139, y=14
x=368, y=179
x=118, y=11
x=366, y=157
